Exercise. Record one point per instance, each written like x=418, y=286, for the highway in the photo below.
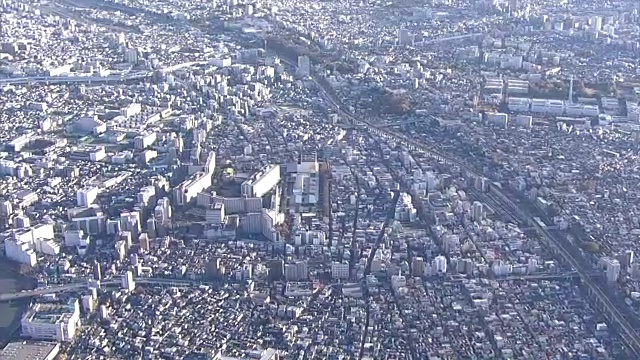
x=74, y=79
x=82, y=284
x=79, y=79
x=621, y=321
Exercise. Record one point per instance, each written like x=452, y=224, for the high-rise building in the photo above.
x=477, y=211
x=151, y=228
x=340, y=270
x=405, y=37
x=97, y=271
x=128, y=284
x=296, y=271
x=417, y=267
x=162, y=211
x=276, y=270
x=145, y=242
x=613, y=270
x=440, y=264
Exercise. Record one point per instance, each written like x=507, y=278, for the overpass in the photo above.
x=82, y=284
x=74, y=79
x=407, y=122
x=567, y=275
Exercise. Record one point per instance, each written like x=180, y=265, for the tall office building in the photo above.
x=276, y=270
x=128, y=284
x=477, y=211
x=97, y=271
x=417, y=267
x=296, y=271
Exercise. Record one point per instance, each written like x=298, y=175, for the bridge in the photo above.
x=83, y=284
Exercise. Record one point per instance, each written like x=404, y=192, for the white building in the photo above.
x=498, y=119
x=25, y=243
x=398, y=281
x=519, y=104
x=54, y=322
x=162, y=212
x=261, y=182
x=86, y=196
x=440, y=264
x=146, y=196
x=613, y=270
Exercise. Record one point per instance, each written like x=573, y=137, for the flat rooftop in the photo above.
x=29, y=350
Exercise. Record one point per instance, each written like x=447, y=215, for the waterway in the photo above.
x=11, y=312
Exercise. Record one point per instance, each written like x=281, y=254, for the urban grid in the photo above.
x=337, y=179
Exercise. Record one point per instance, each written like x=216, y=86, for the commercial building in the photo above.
x=440, y=264
x=52, y=321
x=340, y=270
x=296, y=271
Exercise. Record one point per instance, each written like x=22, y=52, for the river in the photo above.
x=11, y=312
